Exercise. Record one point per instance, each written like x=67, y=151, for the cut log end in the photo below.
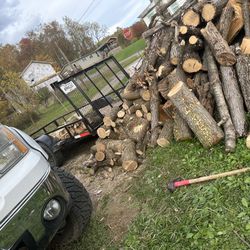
x=208, y=12
x=162, y=142
x=245, y=46
x=183, y=29
x=192, y=65
x=191, y=18
x=100, y=156
x=130, y=165
x=102, y=133
x=193, y=40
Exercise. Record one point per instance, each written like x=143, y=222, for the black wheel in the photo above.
x=80, y=213
x=55, y=159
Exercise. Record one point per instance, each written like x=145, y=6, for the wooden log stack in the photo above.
x=194, y=81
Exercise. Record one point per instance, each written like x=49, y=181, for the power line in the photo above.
x=85, y=12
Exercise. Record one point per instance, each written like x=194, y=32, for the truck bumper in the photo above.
x=26, y=227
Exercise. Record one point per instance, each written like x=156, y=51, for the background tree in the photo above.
x=96, y=31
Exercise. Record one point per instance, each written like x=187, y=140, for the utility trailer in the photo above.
x=88, y=95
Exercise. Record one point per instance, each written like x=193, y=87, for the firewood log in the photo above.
x=154, y=107
x=109, y=120
x=245, y=45
x=145, y=94
x=129, y=158
x=163, y=88
x=164, y=69
x=100, y=156
x=139, y=113
x=220, y=48
x=126, y=104
x=243, y=73
x=175, y=53
x=181, y=130
x=114, y=145
x=121, y=113
x=187, y=31
x=197, y=117
x=103, y=132
x=166, y=134
x=226, y=19
x=195, y=43
x=191, y=18
x=213, y=74
x=191, y=61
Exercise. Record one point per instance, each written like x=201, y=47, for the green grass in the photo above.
x=212, y=215
x=130, y=50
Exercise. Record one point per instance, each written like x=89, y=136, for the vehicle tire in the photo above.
x=55, y=159
x=80, y=213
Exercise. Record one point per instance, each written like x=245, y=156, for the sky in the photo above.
x=19, y=16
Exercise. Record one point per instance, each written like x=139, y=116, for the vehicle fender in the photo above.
x=49, y=141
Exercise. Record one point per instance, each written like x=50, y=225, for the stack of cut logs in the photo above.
x=194, y=81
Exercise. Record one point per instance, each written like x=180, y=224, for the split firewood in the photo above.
x=220, y=48
x=230, y=137
x=166, y=134
x=197, y=117
x=191, y=18
x=245, y=45
x=129, y=158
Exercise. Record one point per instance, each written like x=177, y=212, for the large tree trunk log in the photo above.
x=109, y=144
x=221, y=50
x=166, y=41
x=166, y=134
x=243, y=73
x=234, y=100
x=197, y=117
x=230, y=137
x=181, y=130
x=154, y=107
x=129, y=158
x=226, y=20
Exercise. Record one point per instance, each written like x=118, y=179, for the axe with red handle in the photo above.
x=172, y=185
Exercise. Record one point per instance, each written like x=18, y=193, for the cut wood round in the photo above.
x=166, y=134
x=145, y=94
x=197, y=117
x=191, y=18
x=103, y=133
x=193, y=39
x=100, y=146
x=139, y=113
x=121, y=114
x=130, y=95
x=100, y=156
x=191, y=62
x=129, y=158
x=248, y=141
x=114, y=145
x=145, y=107
x=220, y=48
x=245, y=46
x=208, y=12
x=126, y=104
x=149, y=117
x=183, y=29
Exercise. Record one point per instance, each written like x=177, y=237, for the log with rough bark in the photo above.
x=163, y=88
x=245, y=45
x=109, y=120
x=175, y=53
x=243, y=73
x=166, y=134
x=226, y=20
x=164, y=69
x=213, y=74
x=197, y=117
x=109, y=144
x=191, y=61
x=129, y=158
x=166, y=41
x=220, y=48
x=191, y=18
x=234, y=100
x=154, y=107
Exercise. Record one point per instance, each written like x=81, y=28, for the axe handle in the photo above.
x=216, y=176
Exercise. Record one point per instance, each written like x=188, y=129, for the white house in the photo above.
x=38, y=74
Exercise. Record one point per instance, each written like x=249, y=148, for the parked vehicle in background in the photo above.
x=39, y=205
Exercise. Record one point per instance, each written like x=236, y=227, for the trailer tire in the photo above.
x=55, y=159
x=80, y=213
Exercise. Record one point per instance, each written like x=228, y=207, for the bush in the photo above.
x=21, y=120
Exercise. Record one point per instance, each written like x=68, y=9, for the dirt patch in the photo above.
x=108, y=189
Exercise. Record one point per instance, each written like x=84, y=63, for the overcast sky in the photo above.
x=19, y=16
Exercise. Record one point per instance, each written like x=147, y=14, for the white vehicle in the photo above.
x=38, y=205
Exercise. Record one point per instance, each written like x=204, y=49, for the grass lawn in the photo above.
x=130, y=50
x=213, y=215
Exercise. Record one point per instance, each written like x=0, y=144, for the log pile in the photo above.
x=194, y=81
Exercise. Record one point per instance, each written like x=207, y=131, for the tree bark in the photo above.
x=221, y=50
x=243, y=73
x=197, y=117
x=166, y=134
x=108, y=120
x=129, y=158
x=234, y=100
x=230, y=137
x=175, y=53
x=245, y=45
